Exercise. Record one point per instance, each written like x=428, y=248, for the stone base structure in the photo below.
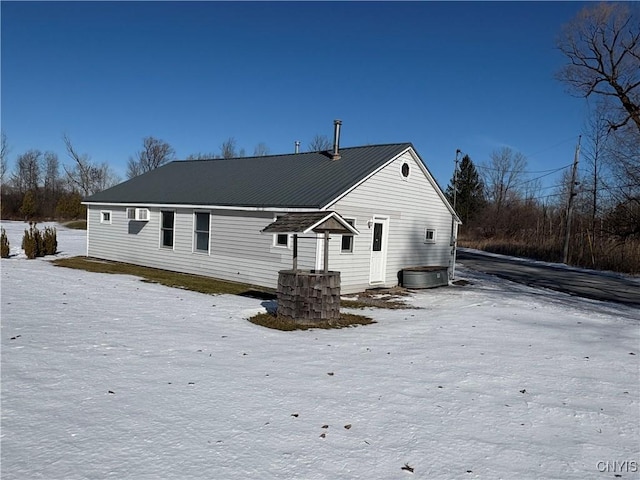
x=308, y=296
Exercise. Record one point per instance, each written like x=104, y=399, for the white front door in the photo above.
x=378, y=250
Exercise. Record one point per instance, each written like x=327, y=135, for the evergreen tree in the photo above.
x=470, y=199
x=4, y=244
x=29, y=206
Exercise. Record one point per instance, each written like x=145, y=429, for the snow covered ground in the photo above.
x=104, y=376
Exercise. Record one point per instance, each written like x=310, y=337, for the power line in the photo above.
x=551, y=172
x=525, y=172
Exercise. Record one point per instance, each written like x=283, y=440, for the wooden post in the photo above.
x=326, y=251
x=295, y=252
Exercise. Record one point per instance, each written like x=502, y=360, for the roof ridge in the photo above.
x=291, y=153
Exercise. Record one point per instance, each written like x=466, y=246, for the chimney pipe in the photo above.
x=297, y=146
x=335, y=155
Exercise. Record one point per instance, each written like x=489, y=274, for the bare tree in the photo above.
x=202, y=156
x=602, y=44
x=28, y=171
x=595, y=154
x=4, y=153
x=51, y=171
x=52, y=183
x=319, y=143
x=261, y=150
x=85, y=175
x=503, y=176
x=624, y=164
x=154, y=153
x=228, y=148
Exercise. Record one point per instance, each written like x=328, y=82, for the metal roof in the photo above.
x=300, y=180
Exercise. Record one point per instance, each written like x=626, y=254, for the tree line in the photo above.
x=594, y=215
x=40, y=186
x=596, y=212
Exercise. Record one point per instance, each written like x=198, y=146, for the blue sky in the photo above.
x=474, y=76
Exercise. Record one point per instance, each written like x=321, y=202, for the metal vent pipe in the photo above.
x=335, y=155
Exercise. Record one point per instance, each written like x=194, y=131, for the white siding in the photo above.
x=238, y=251
x=412, y=205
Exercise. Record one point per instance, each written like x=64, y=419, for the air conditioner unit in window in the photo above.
x=138, y=214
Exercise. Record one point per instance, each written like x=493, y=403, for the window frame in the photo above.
x=402, y=168
x=163, y=229
x=430, y=239
x=196, y=232
x=351, y=237
x=102, y=215
x=277, y=244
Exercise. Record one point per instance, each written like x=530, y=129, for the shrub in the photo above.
x=31, y=241
x=4, y=244
x=37, y=244
x=49, y=241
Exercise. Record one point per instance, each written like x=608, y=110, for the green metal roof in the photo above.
x=301, y=180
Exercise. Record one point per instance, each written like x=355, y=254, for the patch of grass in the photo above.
x=376, y=303
x=196, y=283
x=285, y=324
x=76, y=224
x=390, y=298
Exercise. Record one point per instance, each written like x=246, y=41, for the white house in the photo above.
x=205, y=217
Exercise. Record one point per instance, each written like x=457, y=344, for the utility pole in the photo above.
x=453, y=241
x=455, y=180
x=572, y=193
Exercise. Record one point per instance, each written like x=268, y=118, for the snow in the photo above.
x=105, y=376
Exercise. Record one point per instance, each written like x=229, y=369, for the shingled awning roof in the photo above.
x=318, y=222
x=294, y=181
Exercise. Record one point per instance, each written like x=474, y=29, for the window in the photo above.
x=281, y=240
x=430, y=235
x=105, y=216
x=201, y=237
x=377, y=237
x=138, y=214
x=166, y=229
x=347, y=240
x=405, y=170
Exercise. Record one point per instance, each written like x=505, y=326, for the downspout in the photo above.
x=454, y=247
x=88, y=227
